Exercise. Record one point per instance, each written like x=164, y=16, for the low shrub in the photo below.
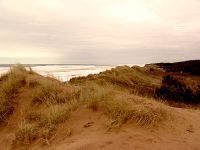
x=174, y=89
x=191, y=66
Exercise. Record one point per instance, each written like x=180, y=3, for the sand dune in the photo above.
x=94, y=112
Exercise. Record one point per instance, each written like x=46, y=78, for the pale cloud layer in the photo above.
x=99, y=31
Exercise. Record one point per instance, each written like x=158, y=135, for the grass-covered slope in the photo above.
x=10, y=84
x=135, y=79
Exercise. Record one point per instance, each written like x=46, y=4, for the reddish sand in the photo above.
x=89, y=131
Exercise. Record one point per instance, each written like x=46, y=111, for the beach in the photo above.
x=63, y=72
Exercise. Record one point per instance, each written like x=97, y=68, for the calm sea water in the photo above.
x=63, y=72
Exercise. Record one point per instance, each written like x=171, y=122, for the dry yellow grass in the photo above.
x=135, y=79
x=123, y=111
x=53, y=92
x=119, y=107
x=48, y=92
x=13, y=80
x=56, y=114
x=41, y=124
x=94, y=95
x=26, y=134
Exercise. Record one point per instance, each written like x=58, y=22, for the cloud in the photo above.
x=99, y=31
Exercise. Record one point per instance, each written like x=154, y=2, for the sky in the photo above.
x=99, y=31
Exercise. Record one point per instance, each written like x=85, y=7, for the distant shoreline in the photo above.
x=27, y=65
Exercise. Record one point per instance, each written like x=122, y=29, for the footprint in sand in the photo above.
x=87, y=125
x=190, y=129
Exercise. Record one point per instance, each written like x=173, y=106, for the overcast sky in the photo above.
x=99, y=31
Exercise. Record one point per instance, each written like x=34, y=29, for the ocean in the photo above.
x=62, y=72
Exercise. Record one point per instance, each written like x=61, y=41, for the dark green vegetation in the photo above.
x=181, y=83
x=173, y=88
x=192, y=67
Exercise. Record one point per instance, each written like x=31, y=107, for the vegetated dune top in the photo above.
x=115, y=109
x=191, y=66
